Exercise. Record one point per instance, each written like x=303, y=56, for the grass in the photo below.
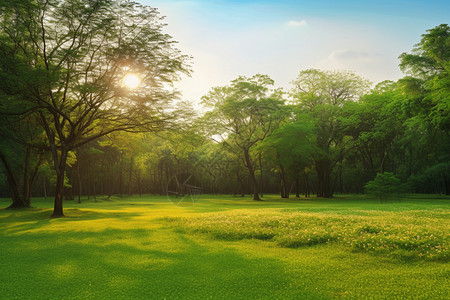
x=405, y=235
x=228, y=248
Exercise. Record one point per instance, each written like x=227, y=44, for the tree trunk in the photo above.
x=323, y=179
x=306, y=184
x=341, y=184
x=297, y=186
x=261, y=176
x=79, y=182
x=162, y=186
x=44, y=185
x=88, y=183
x=93, y=189
x=14, y=184
x=32, y=177
x=249, y=165
x=284, y=188
x=241, y=182
x=26, y=178
x=139, y=181
x=110, y=182
x=68, y=191
x=120, y=176
x=130, y=176
x=60, y=167
x=59, y=164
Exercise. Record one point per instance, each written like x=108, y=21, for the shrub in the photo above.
x=383, y=185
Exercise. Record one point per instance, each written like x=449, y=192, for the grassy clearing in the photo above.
x=227, y=248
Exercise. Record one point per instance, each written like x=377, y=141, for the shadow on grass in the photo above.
x=18, y=222
x=137, y=264
x=116, y=250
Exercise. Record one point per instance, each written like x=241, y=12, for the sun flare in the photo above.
x=131, y=81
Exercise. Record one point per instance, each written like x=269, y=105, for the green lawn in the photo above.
x=228, y=248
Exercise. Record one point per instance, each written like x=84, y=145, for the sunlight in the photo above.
x=131, y=81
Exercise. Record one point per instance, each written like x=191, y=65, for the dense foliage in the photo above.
x=71, y=127
x=63, y=68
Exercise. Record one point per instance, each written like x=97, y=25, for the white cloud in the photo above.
x=293, y=23
x=372, y=65
x=352, y=60
x=348, y=56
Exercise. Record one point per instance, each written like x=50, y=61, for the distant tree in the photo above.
x=322, y=95
x=22, y=152
x=289, y=150
x=21, y=165
x=376, y=124
x=432, y=179
x=69, y=59
x=383, y=185
x=244, y=114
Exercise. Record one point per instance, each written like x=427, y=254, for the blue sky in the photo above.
x=228, y=38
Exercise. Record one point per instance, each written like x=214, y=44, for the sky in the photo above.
x=228, y=38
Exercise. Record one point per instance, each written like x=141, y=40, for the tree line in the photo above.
x=70, y=127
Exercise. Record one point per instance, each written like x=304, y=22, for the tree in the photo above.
x=427, y=88
x=22, y=153
x=322, y=94
x=244, y=114
x=21, y=164
x=69, y=59
x=289, y=150
x=215, y=164
x=429, y=66
x=376, y=124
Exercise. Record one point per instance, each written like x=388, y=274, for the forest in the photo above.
x=71, y=127
x=114, y=184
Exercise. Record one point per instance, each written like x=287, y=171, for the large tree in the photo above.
x=323, y=94
x=244, y=114
x=429, y=69
x=69, y=59
x=376, y=124
x=427, y=108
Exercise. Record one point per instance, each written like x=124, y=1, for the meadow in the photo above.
x=228, y=248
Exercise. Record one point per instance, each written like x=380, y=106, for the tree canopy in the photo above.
x=65, y=62
x=244, y=114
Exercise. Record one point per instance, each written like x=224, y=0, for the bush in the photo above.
x=383, y=185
